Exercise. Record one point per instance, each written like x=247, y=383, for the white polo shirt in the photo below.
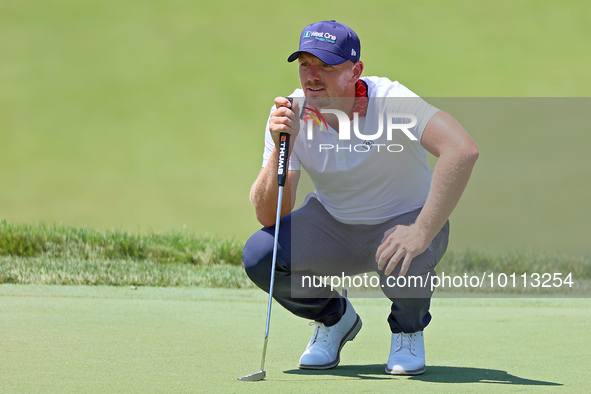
x=367, y=180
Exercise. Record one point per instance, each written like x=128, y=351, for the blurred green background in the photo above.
x=149, y=116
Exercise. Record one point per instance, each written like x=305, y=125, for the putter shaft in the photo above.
x=275, y=247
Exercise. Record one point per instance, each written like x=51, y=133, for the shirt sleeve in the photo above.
x=423, y=112
x=407, y=101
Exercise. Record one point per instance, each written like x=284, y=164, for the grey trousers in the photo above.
x=312, y=242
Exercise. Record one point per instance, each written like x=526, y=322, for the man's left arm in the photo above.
x=457, y=153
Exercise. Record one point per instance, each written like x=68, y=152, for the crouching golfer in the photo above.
x=377, y=206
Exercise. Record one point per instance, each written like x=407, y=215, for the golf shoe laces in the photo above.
x=405, y=341
x=320, y=332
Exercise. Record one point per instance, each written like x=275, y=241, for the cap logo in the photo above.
x=353, y=53
x=320, y=36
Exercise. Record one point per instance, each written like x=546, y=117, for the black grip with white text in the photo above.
x=283, y=154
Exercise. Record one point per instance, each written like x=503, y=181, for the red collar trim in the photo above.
x=361, y=100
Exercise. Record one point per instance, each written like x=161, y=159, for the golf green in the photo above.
x=117, y=339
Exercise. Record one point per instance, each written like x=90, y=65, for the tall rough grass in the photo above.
x=42, y=254
x=61, y=242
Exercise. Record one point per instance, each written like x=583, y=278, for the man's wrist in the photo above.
x=424, y=230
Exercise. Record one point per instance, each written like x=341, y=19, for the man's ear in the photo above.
x=357, y=70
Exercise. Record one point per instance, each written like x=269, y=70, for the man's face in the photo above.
x=322, y=82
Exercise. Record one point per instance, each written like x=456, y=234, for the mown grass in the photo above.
x=113, y=114
x=62, y=255
x=519, y=262
x=119, y=272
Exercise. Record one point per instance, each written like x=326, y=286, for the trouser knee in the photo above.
x=257, y=258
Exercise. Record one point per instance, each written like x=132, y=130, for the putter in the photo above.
x=281, y=178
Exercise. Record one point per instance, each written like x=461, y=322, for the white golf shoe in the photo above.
x=407, y=354
x=324, y=349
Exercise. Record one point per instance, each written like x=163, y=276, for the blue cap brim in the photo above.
x=326, y=56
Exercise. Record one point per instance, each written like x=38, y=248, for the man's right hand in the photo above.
x=284, y=120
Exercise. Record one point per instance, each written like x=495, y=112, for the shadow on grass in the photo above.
x=434, y=374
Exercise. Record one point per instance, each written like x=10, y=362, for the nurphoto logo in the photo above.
x=394, y=121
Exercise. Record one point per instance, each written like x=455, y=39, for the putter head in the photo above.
x=254, y=377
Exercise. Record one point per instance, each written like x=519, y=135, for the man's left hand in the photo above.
x=400, y=243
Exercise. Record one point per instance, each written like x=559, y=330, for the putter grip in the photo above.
x=283, y=155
